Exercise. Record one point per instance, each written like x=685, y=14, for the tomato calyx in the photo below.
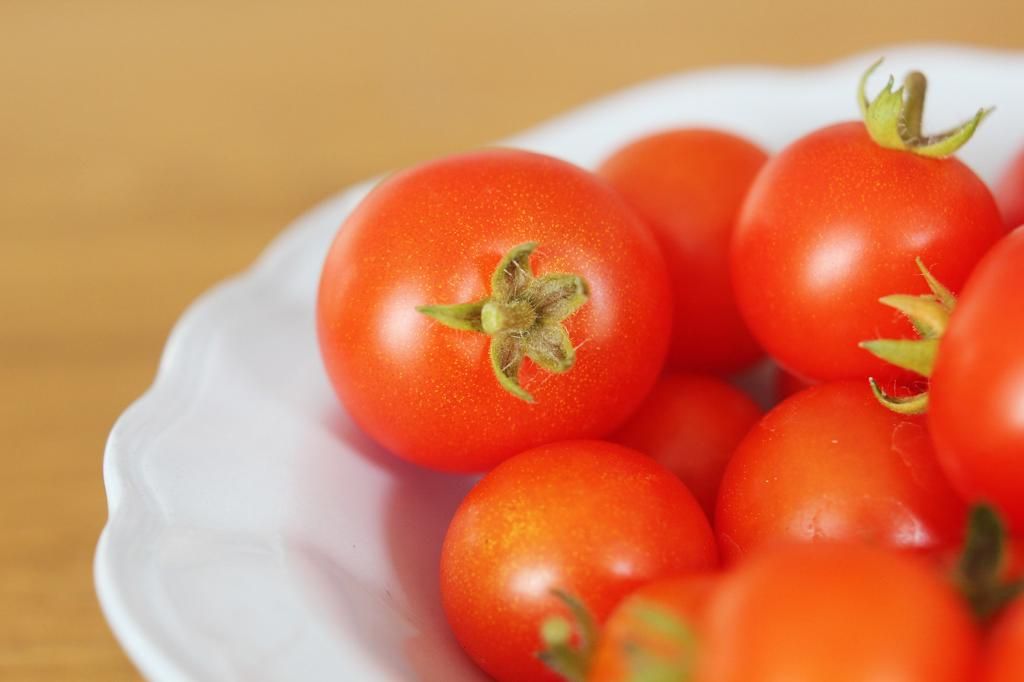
x=979, y=569
x=573, y=660
x=646, y=665
x=523, y=316
x=569, y=644
x=929, y=314
x=893, y=117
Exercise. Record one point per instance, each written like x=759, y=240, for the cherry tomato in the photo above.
x=1004, y=651
x=836, y=612
x=829, y=227
x=1010, y=192
x=593, y=519
x=976, y=408
x=688, y=186
x=656, y=629
x=831, y=463
x=482, y=304
x=691, y=424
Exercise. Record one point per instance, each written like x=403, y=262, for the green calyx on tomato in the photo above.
x=572, y=658
x=893, y=118
x=564, y=654
x=523, y=316
x=979, y=569
x=929, y=314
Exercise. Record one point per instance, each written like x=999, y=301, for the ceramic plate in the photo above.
x=256, y=534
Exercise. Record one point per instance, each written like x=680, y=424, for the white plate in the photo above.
x=256, y=534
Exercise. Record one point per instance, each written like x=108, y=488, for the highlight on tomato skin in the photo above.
x=830, y=463
x=590, y=518
x=436, y=321
x=688, y=184
x=691, y=424
x=842, y=612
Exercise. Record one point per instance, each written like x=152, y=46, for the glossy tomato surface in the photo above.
x=1004, y=651
x=976, y=410
x=691, y=424
x=688, y=186
x=434, y=235
x=591, y=518
x=1010, y=192
x=832, y=223
x=656, y=629
x=830, y=463
x=836, y=612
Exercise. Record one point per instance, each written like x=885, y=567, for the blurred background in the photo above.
x=147, y=150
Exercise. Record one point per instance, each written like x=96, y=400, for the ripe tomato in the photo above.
x=831, y=463
x=655, y=630
x=688, y=186
x=1004, y=651
x=691, y=424
x=547, y=287
x=829, y=227
x=836, y=612
x=1010, y=192
x=976, y=408
x=593, y=519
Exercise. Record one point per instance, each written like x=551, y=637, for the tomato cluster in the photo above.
x=577, y=335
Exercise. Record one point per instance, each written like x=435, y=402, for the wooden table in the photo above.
x=149, y=150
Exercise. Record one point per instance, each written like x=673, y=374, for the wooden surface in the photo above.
x=148, y=150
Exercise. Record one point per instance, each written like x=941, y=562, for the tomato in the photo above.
x=657, y=628
x=976, y=408
x=831, y=463
x=836, y=612
x=829, y=227
x=478, y=305
x=1010, y=192
x=688, y=186
x=593, y=519
x=691, y=424
x=1004, y=651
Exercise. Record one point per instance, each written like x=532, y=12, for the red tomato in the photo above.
x=836, y=612
x=435, y=235
x=657, y=628
x=831, y=463
x=976, y=408
x=591, y=518
x=691, y=424
x=1004, y=652
x=1010, y=192
x=829, y=227
x=688, y=186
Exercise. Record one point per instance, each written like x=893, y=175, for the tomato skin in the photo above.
x=684, y=598
x=836, y=612
x=688, y=186
x=691, y=424
x=976, y=409
x=834, y=222
x=1004, y=650
x=1009, y=192
x=434, y=234
x=591, y=518
x=830, y=463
